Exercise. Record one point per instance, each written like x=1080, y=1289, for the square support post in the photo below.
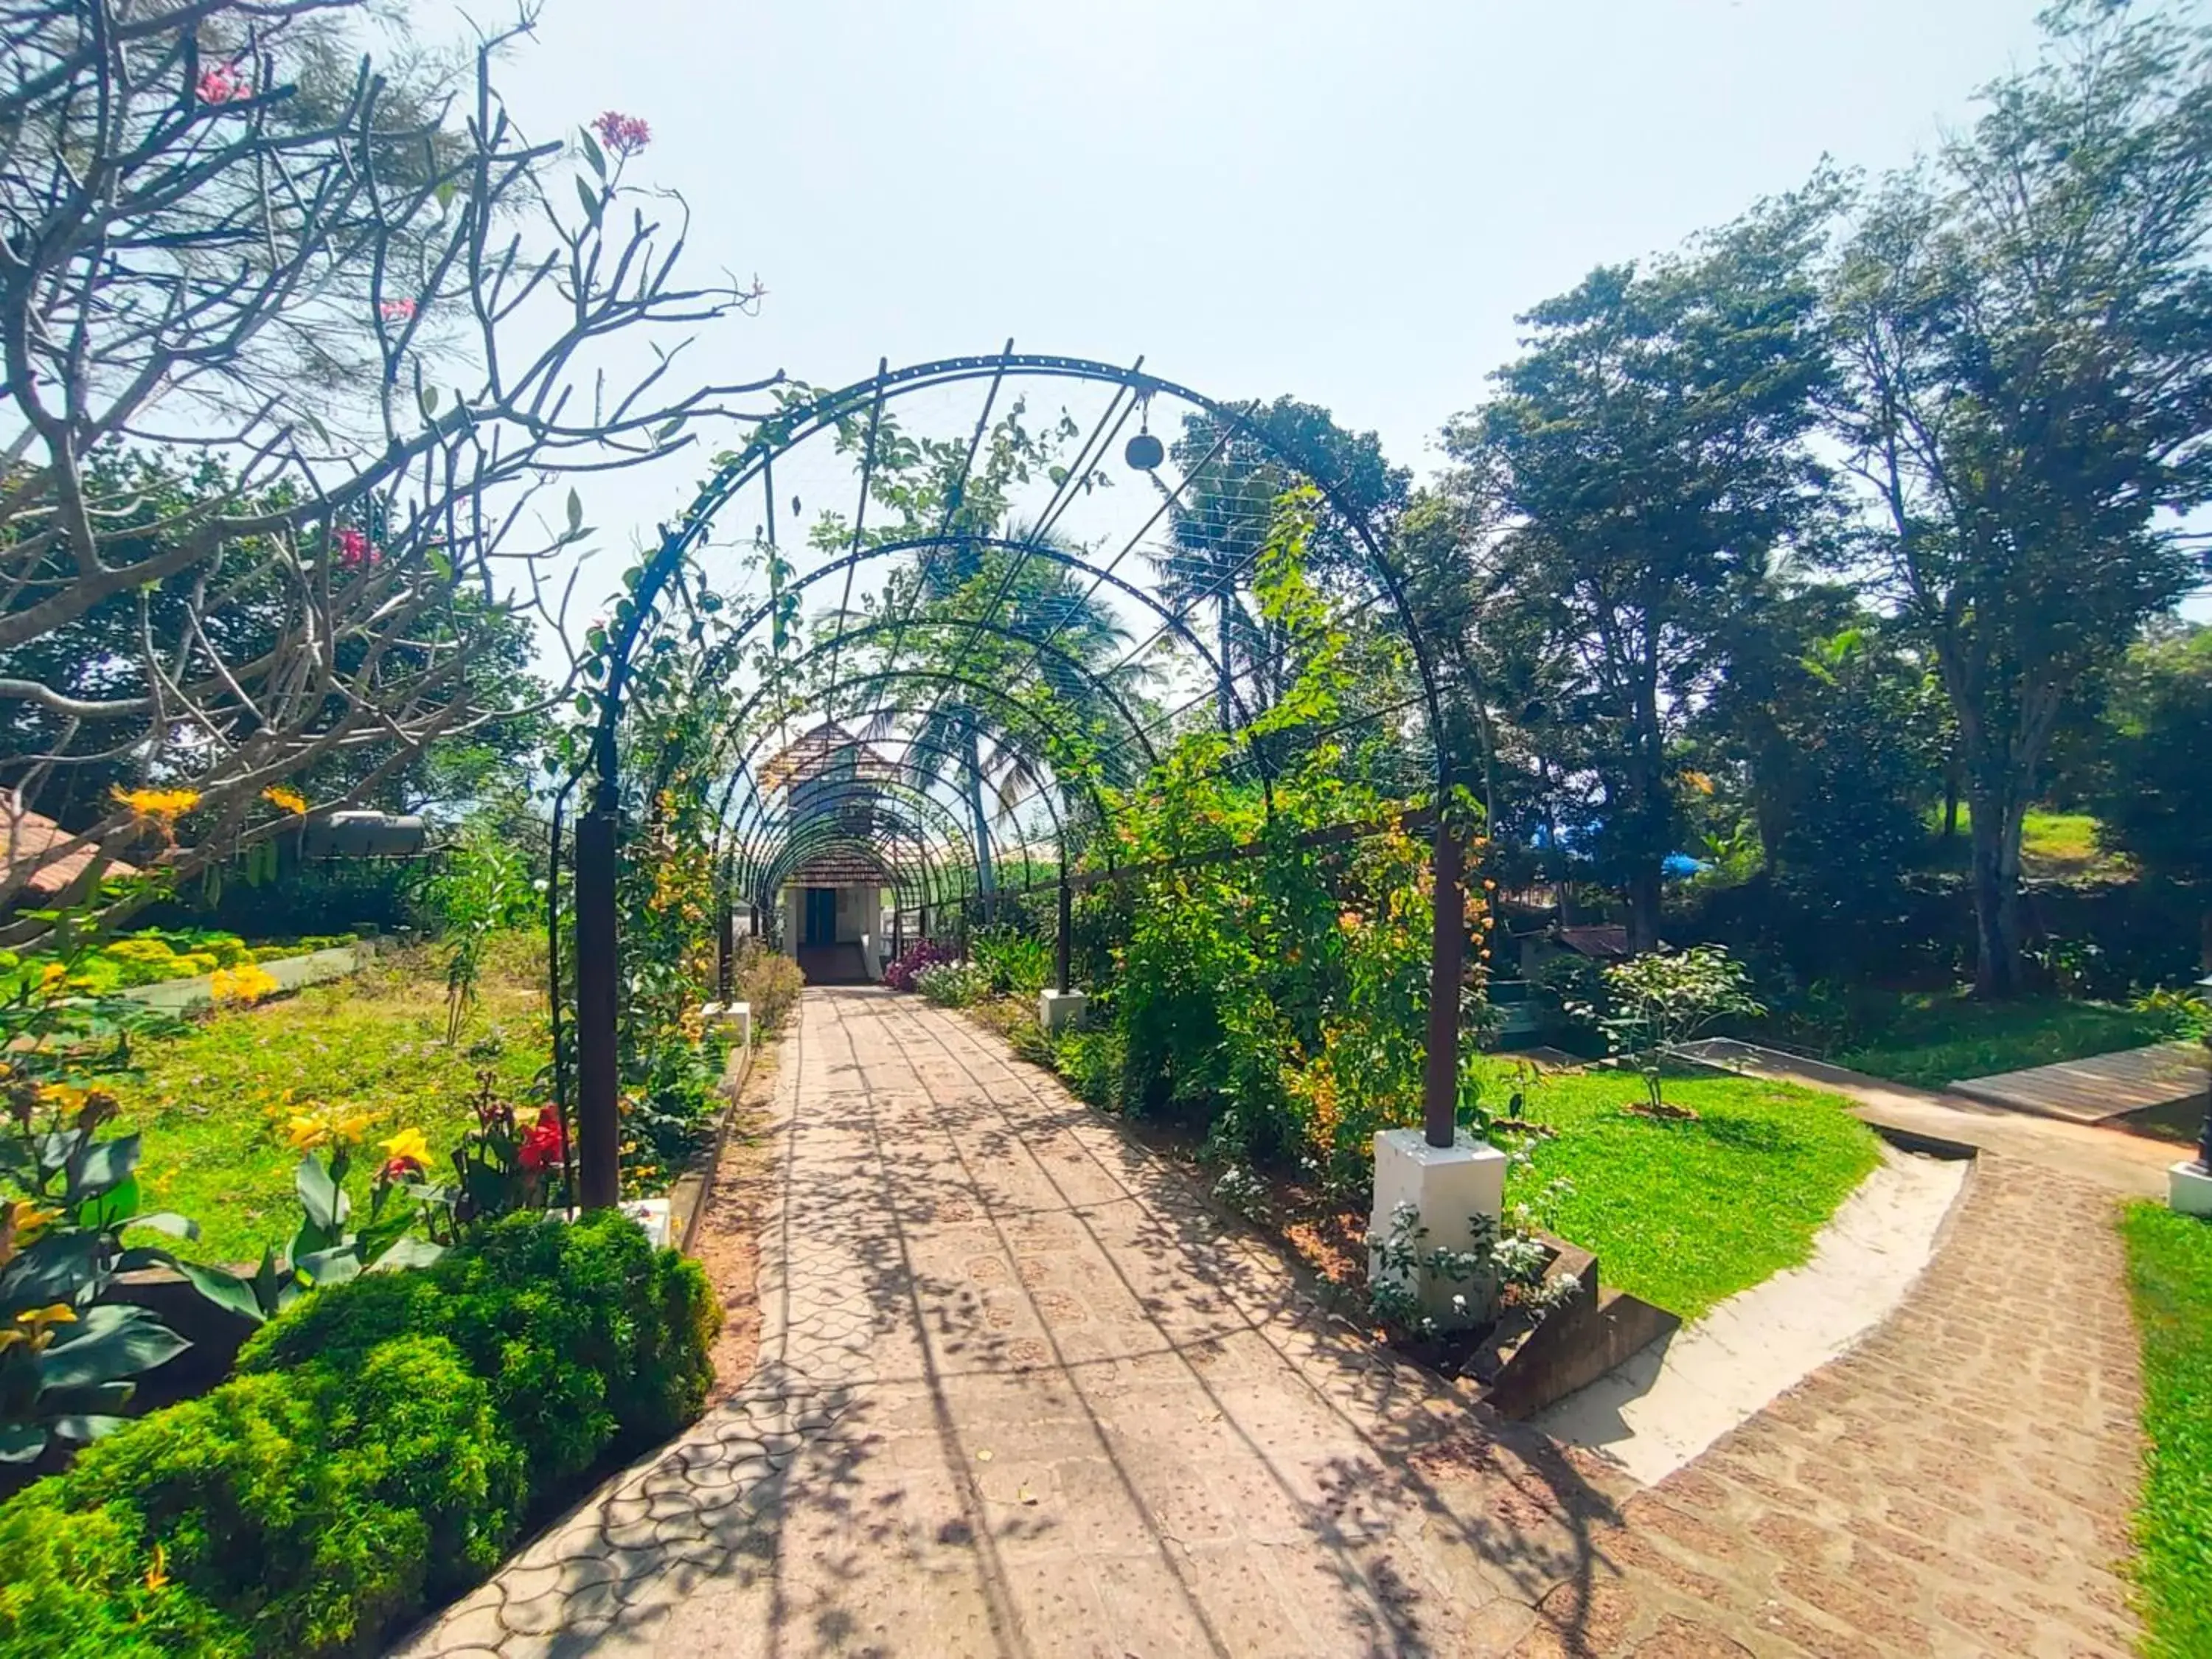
x=1066, y=927
x=599, y=1133
x=1447, y=955
x=1447, y=1187
x=726, y=949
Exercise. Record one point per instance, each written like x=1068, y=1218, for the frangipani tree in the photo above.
x=384, y=332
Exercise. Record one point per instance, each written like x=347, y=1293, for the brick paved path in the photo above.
x=1022, y=1393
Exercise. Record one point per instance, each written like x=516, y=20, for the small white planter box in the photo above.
x=2189, y=1190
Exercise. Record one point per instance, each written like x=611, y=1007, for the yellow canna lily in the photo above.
x=408, y=1144
x=354, y=1129
x=34, y=1325
x=308, y=1132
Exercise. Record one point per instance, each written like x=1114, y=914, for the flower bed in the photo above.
x=384, y=1443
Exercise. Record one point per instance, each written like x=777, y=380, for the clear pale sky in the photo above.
x=1346, y=201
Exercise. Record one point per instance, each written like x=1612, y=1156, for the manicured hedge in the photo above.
x=381, y=1447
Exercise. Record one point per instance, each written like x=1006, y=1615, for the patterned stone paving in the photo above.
x=1021, y=1392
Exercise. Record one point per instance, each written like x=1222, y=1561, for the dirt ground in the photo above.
x=728, y=1242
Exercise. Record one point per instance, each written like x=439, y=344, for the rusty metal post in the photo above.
x=1440, y=1081
x=1066, y=925
x=599, y=1132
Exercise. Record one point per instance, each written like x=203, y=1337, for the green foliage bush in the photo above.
x=953, y=984
x=380, y=1447
x=1016, y=963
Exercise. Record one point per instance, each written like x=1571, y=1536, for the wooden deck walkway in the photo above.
x=2100, y=1088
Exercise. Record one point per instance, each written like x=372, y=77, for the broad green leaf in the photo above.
x=21, y=1442
x=412, y=1251
x=331, y=1267
x=323, y=1200
x=86, y=1427
x=109, y=1209
x=169, y=1222
x=228, y=1290
x=108, y=1342
x=591, y=202
x=107, y=1162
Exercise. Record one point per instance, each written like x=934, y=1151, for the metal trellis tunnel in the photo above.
x=988, y=663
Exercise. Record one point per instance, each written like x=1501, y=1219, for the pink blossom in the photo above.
x=353, y=549
x=395, y=310
x=223, y=83
x=625, y=135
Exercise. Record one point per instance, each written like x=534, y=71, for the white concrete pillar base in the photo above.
x=1058, y=1010
x=2189, y=1190
x=1446, y=1186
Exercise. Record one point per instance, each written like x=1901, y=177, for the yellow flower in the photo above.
x=408, y=1144
x=354, y=1129
x=291, y=800
x=243, y=986
x=157, y=1576
x=21, y=1222
x=308, y=1131
x=162, y=807
x=34, y=1326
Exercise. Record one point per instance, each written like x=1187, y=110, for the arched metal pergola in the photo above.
x=869, y=690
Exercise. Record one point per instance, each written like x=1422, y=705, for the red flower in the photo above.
x=224, y=83
x=395, y=310
x=544, y=1143
x=397, y=1169
x=353, y=549
x=625, y=135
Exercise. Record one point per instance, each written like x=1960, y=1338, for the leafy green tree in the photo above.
x=1836, y=734
x=2155, y=802
x=1637, y=473
x=1225, y=512
x=2024, y=325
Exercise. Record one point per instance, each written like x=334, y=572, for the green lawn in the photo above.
x=1932, y=1038
x=212, y=1103
x=2170, y=1275
x=2053, y=846
x=1686, y=1214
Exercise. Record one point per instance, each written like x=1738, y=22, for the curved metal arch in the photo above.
x=908, y=745
x=717, y=659
x=811, y=843
x=927, y=813
x=844, y=791
x=982, y=687
x=779, y=434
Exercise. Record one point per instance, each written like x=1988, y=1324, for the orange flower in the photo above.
x=289, y=801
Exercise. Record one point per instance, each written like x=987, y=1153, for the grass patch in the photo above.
x=2053, y=846
x=2170, y=1277
x=1932, y=1038
x=1686, y=1213
x=212, y=1103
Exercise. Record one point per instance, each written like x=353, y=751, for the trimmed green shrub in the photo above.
x=382, y=1445
x=81, y=1585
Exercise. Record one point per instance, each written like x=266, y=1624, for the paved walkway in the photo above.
x=1022, y=1392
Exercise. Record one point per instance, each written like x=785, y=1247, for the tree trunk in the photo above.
x=986, y=879
x=1995, y=831
x=1643, y=907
